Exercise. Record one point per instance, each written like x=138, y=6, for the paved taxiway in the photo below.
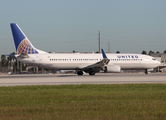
x=101, y=78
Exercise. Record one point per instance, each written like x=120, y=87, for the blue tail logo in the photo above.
x=22, y=44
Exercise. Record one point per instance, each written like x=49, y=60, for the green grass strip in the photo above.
x=84, y=102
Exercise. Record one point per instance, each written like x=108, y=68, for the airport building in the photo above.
x=161, y=57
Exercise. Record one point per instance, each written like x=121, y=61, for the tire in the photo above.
x=80, y=73
x=146, y=71
x=91, y=73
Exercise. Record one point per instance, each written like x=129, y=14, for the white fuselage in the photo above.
x=77, y=61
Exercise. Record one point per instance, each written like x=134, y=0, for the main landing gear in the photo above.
x=91, y=73
x=146, y=71
x=79, y=72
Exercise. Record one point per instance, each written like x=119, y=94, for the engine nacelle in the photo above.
x=112, y=69
x=150, y=70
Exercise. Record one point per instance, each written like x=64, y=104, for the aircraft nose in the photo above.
x=159, y=63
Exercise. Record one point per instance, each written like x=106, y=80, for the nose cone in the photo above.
x=158, y=63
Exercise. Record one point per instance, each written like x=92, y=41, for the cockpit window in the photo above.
x=153, y=59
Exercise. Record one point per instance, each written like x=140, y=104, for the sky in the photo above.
x=130, y=26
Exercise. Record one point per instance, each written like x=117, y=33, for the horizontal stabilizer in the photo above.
x=10, y=55
x=23, y=56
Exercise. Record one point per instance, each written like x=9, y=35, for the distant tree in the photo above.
x=74, y=51
x=11, y=60
x=117, y=52
x=13, y=53
x=144, y=52
x=157, y=52
x=3, y=61
x=150, y=52
x=164, y=51
x=97, y=52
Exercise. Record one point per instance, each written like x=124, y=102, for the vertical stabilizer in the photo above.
x=22, y=44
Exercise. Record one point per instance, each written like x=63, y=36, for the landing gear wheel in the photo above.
x=80, y=73
x=146, y=71
x=91, y=73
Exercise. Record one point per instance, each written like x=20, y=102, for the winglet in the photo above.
x=103, y=53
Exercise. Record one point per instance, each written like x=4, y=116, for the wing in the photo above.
x=97, y=66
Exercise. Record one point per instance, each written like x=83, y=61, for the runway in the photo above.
x=100, y=78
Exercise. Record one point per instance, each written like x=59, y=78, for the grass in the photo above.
x=73, y=102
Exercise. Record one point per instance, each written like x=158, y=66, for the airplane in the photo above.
x=82, y=63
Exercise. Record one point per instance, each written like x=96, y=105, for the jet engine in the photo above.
x=112, y=69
